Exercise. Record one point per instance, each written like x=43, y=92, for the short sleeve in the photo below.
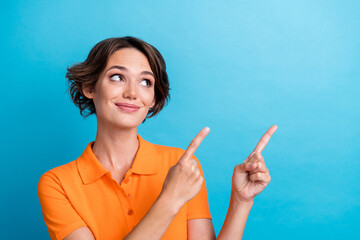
x=198, y=207
x=59, y=215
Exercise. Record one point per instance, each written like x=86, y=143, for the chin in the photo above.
x=122, y=121
x=129, y=122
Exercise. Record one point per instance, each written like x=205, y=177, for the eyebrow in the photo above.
x=125, y=69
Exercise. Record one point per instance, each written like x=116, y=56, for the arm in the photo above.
x=234, y=223
x=200, y=229
x=156, y=221
x=152, y=226
x=233, y=227
x=80, y=233
x=249, y=179
x=236, y=217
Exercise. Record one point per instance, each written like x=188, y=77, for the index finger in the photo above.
x=194, y=144
x=265, y=139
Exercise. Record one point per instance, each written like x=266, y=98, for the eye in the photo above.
x=145, y=82
x=116, y=77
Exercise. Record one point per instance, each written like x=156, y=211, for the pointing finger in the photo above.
x=255, y=157
x=195, y=143
x=265, y=139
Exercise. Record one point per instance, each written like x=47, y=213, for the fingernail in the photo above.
x=206, y=129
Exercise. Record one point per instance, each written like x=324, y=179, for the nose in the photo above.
x=130, y=91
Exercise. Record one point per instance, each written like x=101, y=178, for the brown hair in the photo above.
x=88, y=72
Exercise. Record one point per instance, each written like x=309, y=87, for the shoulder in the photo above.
x=167, y=153
x=161, y=149
x=170, y=151
x=56, y=175
x=173, y=153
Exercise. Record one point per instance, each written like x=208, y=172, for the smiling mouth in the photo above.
x=126, y=107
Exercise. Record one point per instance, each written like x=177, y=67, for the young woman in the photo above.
x=123, y=187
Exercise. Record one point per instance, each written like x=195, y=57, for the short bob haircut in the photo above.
x=88, y=72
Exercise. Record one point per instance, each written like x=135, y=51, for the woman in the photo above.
x=123, y=187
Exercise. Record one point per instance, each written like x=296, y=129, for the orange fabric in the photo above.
x=82, y=193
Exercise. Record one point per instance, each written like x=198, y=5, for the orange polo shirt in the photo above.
x=82, y=193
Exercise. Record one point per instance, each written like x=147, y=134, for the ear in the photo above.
x=88, y=91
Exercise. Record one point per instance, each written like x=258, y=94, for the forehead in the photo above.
x=130, y=58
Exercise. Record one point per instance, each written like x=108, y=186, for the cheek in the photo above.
x=110, y=92
x=105, y=93
x=152, y=100
x=148, y=97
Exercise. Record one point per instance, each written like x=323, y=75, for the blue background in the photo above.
x=235, y=66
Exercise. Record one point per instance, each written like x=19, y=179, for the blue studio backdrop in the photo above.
x=235, y=66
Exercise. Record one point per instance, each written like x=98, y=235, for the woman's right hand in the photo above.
x=184, y=179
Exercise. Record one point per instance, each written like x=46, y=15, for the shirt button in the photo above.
x=130, y=212
x=126, y=180
x=129, y=195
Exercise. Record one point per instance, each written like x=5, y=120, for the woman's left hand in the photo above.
x=252, y=176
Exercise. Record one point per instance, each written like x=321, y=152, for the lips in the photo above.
x=126, y=107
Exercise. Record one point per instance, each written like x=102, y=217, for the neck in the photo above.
x=115, y=149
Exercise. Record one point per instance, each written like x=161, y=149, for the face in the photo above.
x=124, y=93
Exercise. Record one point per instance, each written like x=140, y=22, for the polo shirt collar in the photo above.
x=146, y=158
x=90, y=169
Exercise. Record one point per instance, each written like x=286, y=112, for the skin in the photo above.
x=116, y=145
x=249, y=179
